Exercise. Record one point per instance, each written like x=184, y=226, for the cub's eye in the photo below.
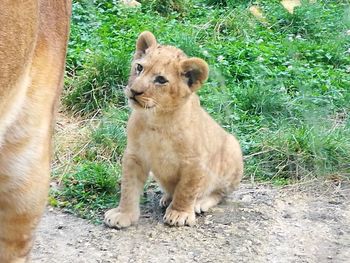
x=139, y=68
x=160, y=80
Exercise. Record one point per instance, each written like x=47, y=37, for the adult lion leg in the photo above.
x=19, y=27
x=24, y=178
x=17, y=231
x=33, y=40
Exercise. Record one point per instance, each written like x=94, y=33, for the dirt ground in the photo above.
x=258, y=223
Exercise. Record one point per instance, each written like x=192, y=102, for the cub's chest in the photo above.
x=159, y=147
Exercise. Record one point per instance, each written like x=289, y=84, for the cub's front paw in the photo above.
x=179, y=218
x=115, y=218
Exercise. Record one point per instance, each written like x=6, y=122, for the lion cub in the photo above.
x=192, y=158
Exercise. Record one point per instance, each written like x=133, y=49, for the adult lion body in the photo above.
x=193, y=159
x=33, y=40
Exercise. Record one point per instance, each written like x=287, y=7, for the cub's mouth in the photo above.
x=137, y=100
x=133, y=100
x=136, y=103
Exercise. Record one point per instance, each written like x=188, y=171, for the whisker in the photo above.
x=149, y=103
x=158, y=105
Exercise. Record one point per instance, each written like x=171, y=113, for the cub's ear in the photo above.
x=145, y=40
x=195, y=71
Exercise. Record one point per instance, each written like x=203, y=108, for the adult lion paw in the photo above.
x=179, y=218
x=116, y=219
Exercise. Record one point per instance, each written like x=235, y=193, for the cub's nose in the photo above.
x=135, y=93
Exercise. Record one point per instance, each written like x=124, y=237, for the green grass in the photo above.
x=89, y=190
x=283, y=86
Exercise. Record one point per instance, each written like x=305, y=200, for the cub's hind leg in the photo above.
x=181, y=212
x=207, y=202
x=165, y=200
x=133, y=179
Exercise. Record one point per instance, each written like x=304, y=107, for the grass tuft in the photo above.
x=98, y=85
x=89, y=190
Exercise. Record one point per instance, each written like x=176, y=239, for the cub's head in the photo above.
x=162, y=77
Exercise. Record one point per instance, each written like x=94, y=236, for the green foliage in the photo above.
x=88, y=190
x=282, y=86
x=307, y=149
x=100, y=83
x=229, y=3
x=166, y=7
x=311, y=21
x=110, y=136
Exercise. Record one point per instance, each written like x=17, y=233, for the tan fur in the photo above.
x=33, y=39
x=130, y=3
x=290, y=5
x=192, y=158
